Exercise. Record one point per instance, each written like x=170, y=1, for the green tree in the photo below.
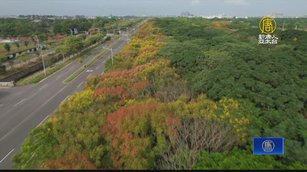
x=26, y=43
x=32, y=148
x=227, y=62
x=42, y=37
x=241, y=160
x=62, y=50
x=73, y=45
x=7, y=47
x=17, y=45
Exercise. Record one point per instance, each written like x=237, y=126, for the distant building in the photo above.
x=14, y=39
x=186, y=14
x=79, y=17
x=56, y=38
x=92, y=17
x=73, y=31
x=3, y=41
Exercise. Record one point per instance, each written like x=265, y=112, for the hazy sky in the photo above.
x=154, y=7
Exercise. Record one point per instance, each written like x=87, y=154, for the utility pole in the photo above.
x=119, y=31
x=41, y=54
x=44, y=64
x=112, y=56
x=113, y=29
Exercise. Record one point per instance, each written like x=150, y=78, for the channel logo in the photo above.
x=268, y=146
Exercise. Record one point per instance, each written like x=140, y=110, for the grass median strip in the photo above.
x=82, y=69
x=40, y=75
x=74, y=75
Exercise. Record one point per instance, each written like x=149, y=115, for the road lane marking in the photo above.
x=54, y=95
x=65, y=98
x=20, y=102
x=79, y=85
x=58, y=77
x=90, y=62
x=43, y=80
x=40, y=89
x=43, y=87
x=38, y=108
x=56, y=72
x=6, y=155
x=43, y=120
x=33, y=113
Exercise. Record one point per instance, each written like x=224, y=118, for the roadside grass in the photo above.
x=74, y=75
x=38, y=76
x=85, y=54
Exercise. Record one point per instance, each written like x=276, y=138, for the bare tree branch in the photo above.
x=192, y=136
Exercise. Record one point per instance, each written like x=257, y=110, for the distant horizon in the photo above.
x=89, y=16
x=240, y=8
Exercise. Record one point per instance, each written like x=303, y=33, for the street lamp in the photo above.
x=128, y=38
x=126, y=35
x=44, y=64
x=110, y=49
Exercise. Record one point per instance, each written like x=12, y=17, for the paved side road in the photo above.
x=24, y=108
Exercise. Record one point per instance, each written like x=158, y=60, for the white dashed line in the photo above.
x=54, y=96
x=43, y=87
x=66, y=98
x=29, y=116
x=40, y=89
x=6, y=155
x=20, y=102
x=79, y=85
x=43, y=120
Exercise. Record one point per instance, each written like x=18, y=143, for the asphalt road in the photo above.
x=24, y=108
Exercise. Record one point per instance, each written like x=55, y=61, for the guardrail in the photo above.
x=7, y=84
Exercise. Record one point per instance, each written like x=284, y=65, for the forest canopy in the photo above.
x=183, y=94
